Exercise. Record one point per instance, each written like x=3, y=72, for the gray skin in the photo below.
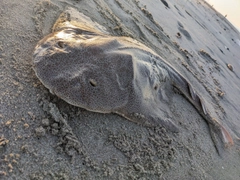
x=85, y=66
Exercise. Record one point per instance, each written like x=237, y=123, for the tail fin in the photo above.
x=219, y=134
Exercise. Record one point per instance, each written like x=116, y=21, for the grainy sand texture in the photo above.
x=43, y=137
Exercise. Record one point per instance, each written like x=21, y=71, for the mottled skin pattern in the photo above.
x=85, y=66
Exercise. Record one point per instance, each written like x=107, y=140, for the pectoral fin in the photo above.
x=150, y=120
x=165, y=122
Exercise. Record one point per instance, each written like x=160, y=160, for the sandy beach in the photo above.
x=43, y=137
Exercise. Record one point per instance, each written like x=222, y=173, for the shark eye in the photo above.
x=93, y=82
x=61, y=44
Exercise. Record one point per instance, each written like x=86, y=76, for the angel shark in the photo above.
x=84, y=65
